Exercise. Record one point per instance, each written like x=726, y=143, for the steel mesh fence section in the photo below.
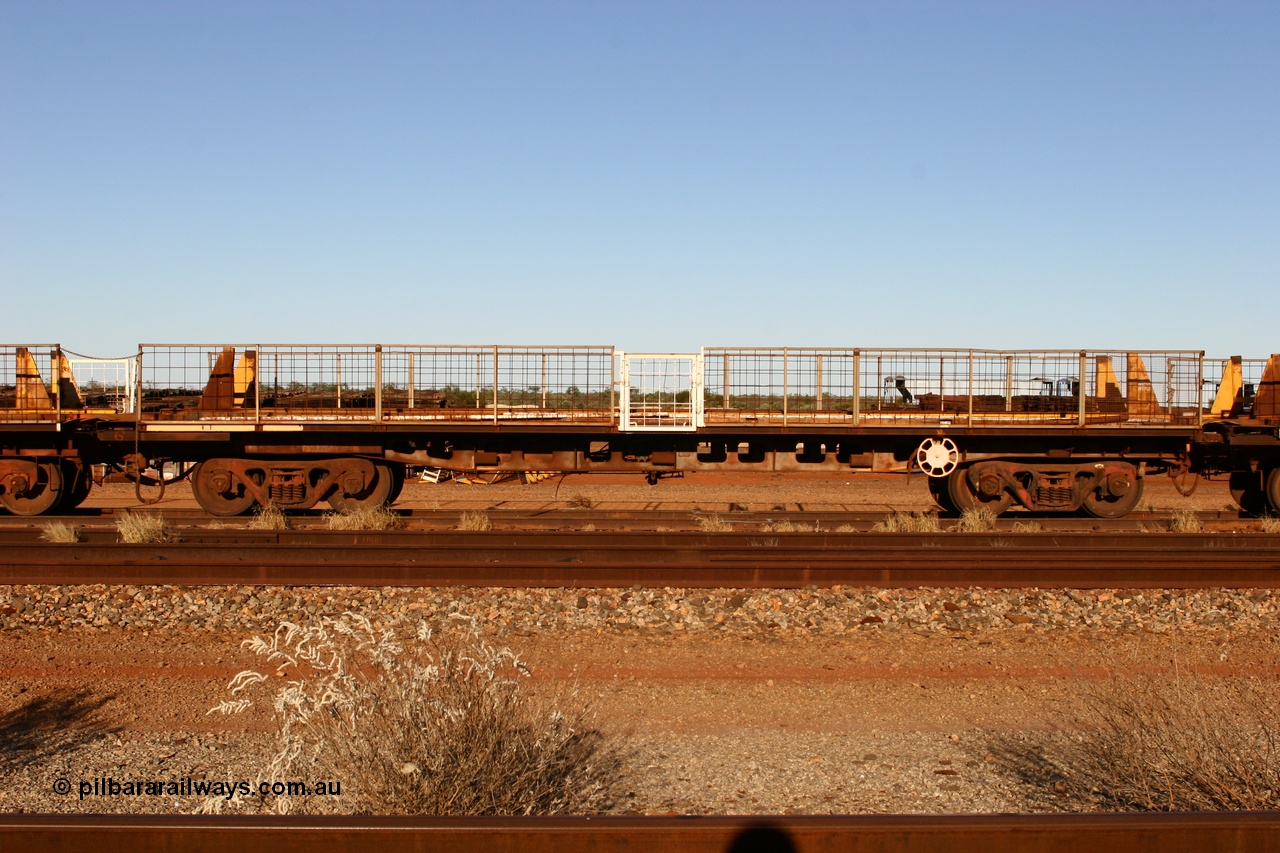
x=478, y=382
x=173, y=378
x=904, y=386
x=26, y=383
x=778, y=384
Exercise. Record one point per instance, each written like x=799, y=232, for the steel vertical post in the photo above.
x=1083, y=366
x=377, y=380
x=857, y=387
x=257, y=386
x=786, y=366
x=970, y=387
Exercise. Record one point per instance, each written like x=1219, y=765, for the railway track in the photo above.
x=639, y=519
x=663, y=559
x=1141, y=833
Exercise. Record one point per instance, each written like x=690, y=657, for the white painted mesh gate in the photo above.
x=661, y=391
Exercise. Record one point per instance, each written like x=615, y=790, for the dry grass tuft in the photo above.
x=713, y=524
x=474, y=521
x=846, y=528
x=580, y=502
x=59, y=533
x=1027, y=527
x=138, y=528
x=269, y=517
x=365, y=518
x=1171, y=744
x=978, y=520
x=786, y=526
x=908, y=522
x=1271, y=524
x=428, y=724
x=1185, y=521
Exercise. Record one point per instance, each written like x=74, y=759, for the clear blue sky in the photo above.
x=654, y=175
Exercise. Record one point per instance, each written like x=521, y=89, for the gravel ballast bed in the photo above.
x=832, y=611
x=812, y=701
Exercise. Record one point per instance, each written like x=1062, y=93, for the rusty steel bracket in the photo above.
x=1180, y=473
x=134, y=465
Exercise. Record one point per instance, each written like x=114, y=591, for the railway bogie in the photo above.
x=298, y=426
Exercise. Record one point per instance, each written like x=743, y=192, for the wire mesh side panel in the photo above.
x=1143, y=387
x=573, y=382
x=26, y=376
x=1215, y=372
x=905, y=386
x=494, y=382
x=778, y=384
x=1026, y=387
x=437, y=382
x=173, y=378
x=311, y=382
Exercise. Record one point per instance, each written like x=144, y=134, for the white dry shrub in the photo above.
x=269, y=517
x=976, y=520
x=1027, y=527
x=365, y=518
x=786, y=526
x=59, y=533
x=429, y=724
x=1185, y=521
x=474, y=521
x=713, y=524
x=1270, y=524
x=1146, y=743
x=140, y=528
x=908, y=522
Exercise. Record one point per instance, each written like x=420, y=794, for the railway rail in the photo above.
x=183, y=518
x=668, y=559
x=1139, y=833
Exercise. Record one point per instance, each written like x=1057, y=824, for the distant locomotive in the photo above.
x=295, y=425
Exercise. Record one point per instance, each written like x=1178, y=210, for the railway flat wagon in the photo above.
x=295, y=425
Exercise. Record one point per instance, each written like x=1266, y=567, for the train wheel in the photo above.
x=397, y=482
x=1246, y=489
x=218, y=492
x=964, y=497
x=77, y=483
x=1273, y=490
x=939, y=489
x=375, y=493
x=1103, y=502
x=37, y=497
